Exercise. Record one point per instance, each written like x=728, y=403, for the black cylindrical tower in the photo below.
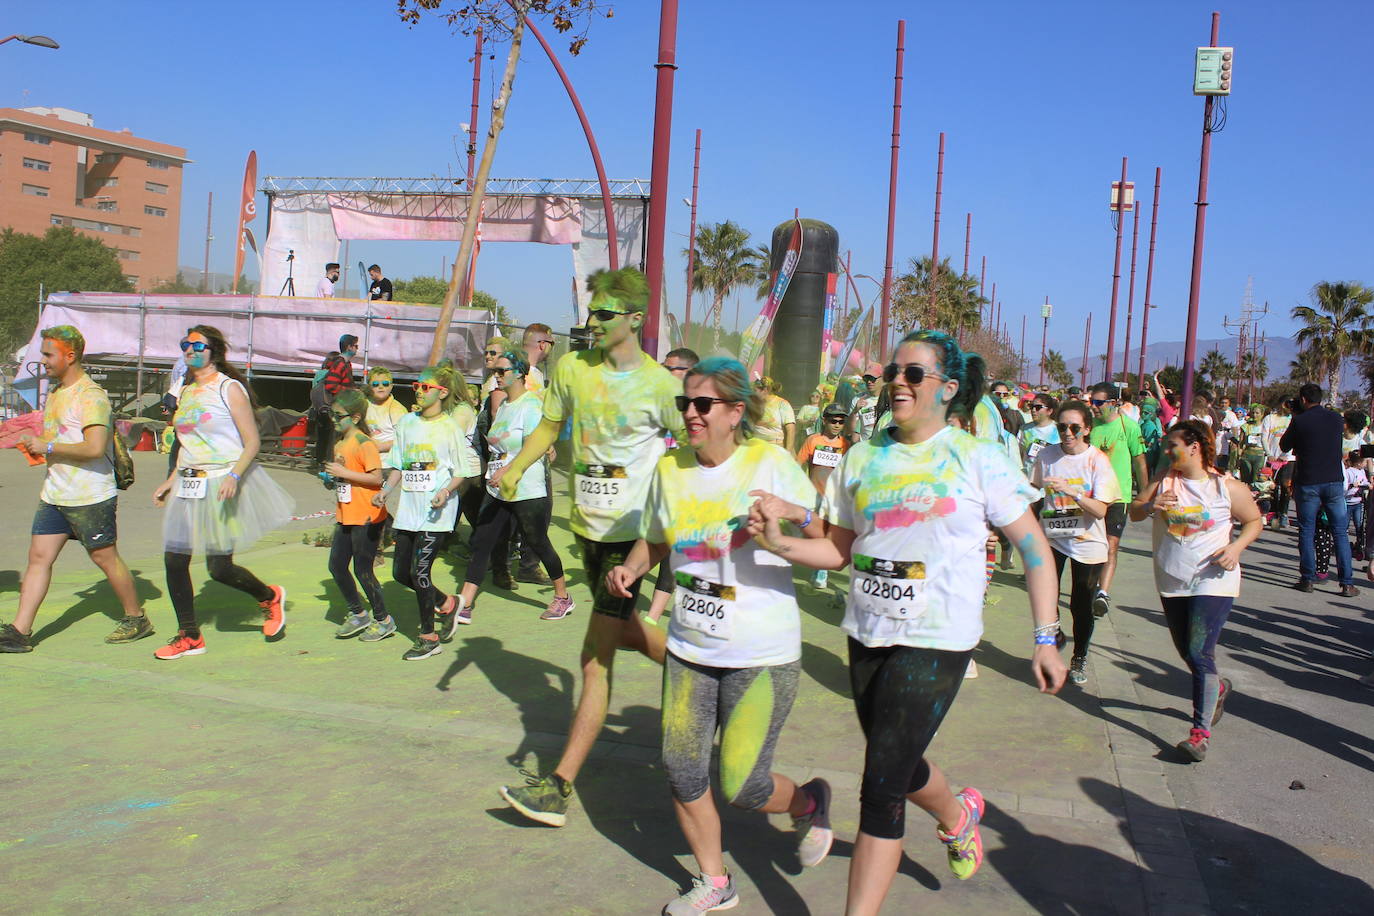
x=797, y=329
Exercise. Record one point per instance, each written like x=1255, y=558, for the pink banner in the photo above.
x=439, y=218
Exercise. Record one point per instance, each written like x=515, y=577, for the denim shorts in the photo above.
x=92, y=525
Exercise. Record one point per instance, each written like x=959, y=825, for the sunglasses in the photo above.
x=1073, y=429
x=491, y=353
x=1097, y=402
x=502, y=370
x=676, y=368
x=380, y=384
x=912, y=374
x=1001, y=394
x=340, y=416
x=199, y=346
x=702, y=404
x=426, y=387
x=870, y=379
x=604, y=315
x=1040, y=407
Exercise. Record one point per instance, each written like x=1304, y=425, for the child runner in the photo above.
x=734, y=642
x=383, y=410
x=430, y=462
x=356, y=472
x=620, y=403
x=1197, y=563
x=910, y=509
x=220, y=500
x=820, y=454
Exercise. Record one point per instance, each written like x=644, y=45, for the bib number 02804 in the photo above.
x=889, y=588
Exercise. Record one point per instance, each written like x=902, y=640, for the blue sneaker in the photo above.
x=353, y=625
x=378, y=630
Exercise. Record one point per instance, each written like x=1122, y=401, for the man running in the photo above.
x=620, y=403
x=1117, y=436
x=863, y=415
x=79, y=495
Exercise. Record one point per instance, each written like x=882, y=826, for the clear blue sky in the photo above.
x=1039, y=102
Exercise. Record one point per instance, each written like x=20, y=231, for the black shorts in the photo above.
x=1115, y=519
x=598, y=558
x=92, y=525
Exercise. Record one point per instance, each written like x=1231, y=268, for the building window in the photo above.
x=40, y=139
x=103, y=182
x=131, y=278
x=77, y=222
x=154, y=211
x=35, y=190
x=126, y=255
x=154, y=188
x=38, y=165
x=110, y=158
x=159, y=164
x=107, y=205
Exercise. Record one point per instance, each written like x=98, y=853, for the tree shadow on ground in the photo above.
x=97, y=598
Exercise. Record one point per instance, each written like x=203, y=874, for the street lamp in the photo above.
x=41, y=41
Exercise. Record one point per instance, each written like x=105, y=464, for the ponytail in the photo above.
x=968, y=369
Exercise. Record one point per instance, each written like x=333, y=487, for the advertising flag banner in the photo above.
x=248, y=209
x=751, y=345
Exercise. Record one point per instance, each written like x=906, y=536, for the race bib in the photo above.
x=192, y=484
x=345, y=492
x=889, y=588
x=825, y=458
x=1069, y=523
x=1034, y=449
x=601, y=486
x=704, y=606
x=496, y=462
x=419, y=479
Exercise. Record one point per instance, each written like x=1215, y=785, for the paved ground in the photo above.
x=313, y=775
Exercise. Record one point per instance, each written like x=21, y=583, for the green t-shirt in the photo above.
x=1120, y=441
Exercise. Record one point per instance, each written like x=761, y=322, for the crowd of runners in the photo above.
x=911, y=476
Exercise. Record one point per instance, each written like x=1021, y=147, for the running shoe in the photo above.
x=11, y=640
x=1303, y=585
x=447, y=618
x=542, y=798
x=1196, y=746
x=1102, y=603
x=1323, y=576
x=131, y=629
x=502, y=579
x=558, y=609
x=274, y=612
x=353, y=625
x=378, y=630
x=814, y=835
x=534, y=576
x=464, y=615
x=1078, y=669
x=820, y=578
x=965, y=844
x=1349, y=591
x=180, y=645
x=423, y=648
x=704, y=897
x=1221, y=700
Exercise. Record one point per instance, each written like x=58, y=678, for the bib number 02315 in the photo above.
x=601, y=487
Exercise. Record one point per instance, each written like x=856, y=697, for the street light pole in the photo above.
x=1044, y=336
x=1083, y=369
x=1149, y=276
x=935, y=242
x=884, y=317
x=1130, y=295
x=692, y=237
x=968, y=237
x=658, y=170
x=1119, y=204
x=38, y=41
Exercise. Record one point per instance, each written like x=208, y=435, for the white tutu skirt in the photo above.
x=212, y=526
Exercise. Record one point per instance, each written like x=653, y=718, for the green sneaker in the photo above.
x=378, y=630
x=423, y=648
x=353, y=625
x=131, y=629
x=542, y=798
x=11, y=640
x=965, y=845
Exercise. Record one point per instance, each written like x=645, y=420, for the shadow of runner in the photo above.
x=9, y=580
x=825, y=668
x=98, y=598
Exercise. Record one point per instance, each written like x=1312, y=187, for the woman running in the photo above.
x=356, y=473
x=910, y=508
x=1197, y=563
x=431, y=462
x=531, y=509
x=220, y=500
x=734, y=640
x=1079, y=485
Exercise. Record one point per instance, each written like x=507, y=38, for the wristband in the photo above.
x=1045, y=639
x=235, y=476
x=806, y=521
x=48, y=450
x=1051, y=628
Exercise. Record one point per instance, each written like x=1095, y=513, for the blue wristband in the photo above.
x=806, y=522
x=235, y=476
x=1045, y=639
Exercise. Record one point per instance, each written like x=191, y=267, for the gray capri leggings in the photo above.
x=748, y=705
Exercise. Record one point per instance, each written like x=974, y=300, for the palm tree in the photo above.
x=763, y=277
x=1253, y=366
x=957, y=303
x=1218, y=369
x=724, y=261
x=1338, y=327
x=1057, y=370
x=1308, y=367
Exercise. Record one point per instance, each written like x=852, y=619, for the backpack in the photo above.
x=121, y=460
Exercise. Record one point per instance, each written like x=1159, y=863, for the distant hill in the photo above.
x=1280, y=352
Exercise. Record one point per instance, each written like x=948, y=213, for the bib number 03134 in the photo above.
x=419, y=481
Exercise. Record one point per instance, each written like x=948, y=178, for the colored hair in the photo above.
x=347, y=340
x=499, y=343
x=518, y=361
x=67, y=335
x=445, y=377
x=219, y=358
x=626, y=286
x=355, y=402
x=377, y=372
x=732, y=381
x=1195, y=432
x=968, y=369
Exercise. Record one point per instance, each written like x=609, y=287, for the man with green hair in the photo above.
x=77, y=501
x=620, y=403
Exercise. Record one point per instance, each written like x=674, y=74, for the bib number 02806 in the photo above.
x=706, y=607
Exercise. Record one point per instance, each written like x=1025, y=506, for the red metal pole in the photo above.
x=1022, y=362
x=1149, y=276
x=658, y=170
x=476, y=103
x=1087, y=337
x=982, y=276
x=935, y=241
x=692, y=236
x=1199, y=231
x=1116, y=270
x=1130, y=295
x=968, y=237
x=995, y=311
x=1044, y=337
x=885, y=311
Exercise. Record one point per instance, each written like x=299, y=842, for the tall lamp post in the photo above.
x=38, y=41
x=692, y=236
x=1045, y=311
x=1123, y=199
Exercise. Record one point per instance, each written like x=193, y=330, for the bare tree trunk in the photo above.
x=479, y=186
x=717, y=312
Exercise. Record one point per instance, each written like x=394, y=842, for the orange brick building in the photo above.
x=58, y=169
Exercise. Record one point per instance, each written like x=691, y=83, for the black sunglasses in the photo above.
x=502, y=370
x=199, y=346
x=836, y=417
x=490, y=353
x=606, y=314
x=1075, y=428
x=702, y=404
x=870, y=379
x=1035, y=406
x=913, y=374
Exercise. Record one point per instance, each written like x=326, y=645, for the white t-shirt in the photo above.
x=429, y=453
x=1192, y=532
x=920, y=515
x=1069, y=528
x=1355, y=478
x=734, y=603
x=514, y=421
x=324, y=288
x=1274, y=427
x=205, y=427
x=865, y=415
x=777, y=413
x=69, y=410
x=382, y=419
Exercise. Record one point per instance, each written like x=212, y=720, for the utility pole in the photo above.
x=1045, y=311
x=205, y=272
x=1120, y=203
x=1130, y=296
x=1247, y=331
x=935, y=242
x=658, y=170
x=1149, y=276
x=692, y=236
x=982, y=276
x=1083, y=367
x=885, y=312
x=968, y=237
x=1021, y=375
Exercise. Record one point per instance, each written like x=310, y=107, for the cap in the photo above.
x=834, y=410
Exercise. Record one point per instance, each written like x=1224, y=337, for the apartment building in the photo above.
x=58, y=169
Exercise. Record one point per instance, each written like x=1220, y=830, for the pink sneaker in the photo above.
x=558, y=609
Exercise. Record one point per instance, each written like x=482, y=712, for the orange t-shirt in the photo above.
x=819, y=469
x=364, y=458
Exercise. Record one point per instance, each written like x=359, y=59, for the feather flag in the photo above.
x=248, y=209
x=751, y=345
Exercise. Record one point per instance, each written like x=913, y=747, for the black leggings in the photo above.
x=222, y=570
x=1085, y=578
x=902, y=695
x=493, y=533
x=357, y=544
x=414, y=568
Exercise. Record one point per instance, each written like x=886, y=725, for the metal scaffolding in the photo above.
x=621, y=188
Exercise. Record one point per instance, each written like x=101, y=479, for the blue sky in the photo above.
x=1039, y=103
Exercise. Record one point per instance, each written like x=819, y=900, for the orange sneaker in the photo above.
x=274, y=612
x=180, y=645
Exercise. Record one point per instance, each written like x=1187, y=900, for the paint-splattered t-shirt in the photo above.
x=513, y=422
x=1188, y=535
x=919, y=514
x=382, y=419
x=205, y=427
x=734, y=606
x=429, y=453
x=1071, y=530
x=618, y=423
x=69, y=410
x=777, y=413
